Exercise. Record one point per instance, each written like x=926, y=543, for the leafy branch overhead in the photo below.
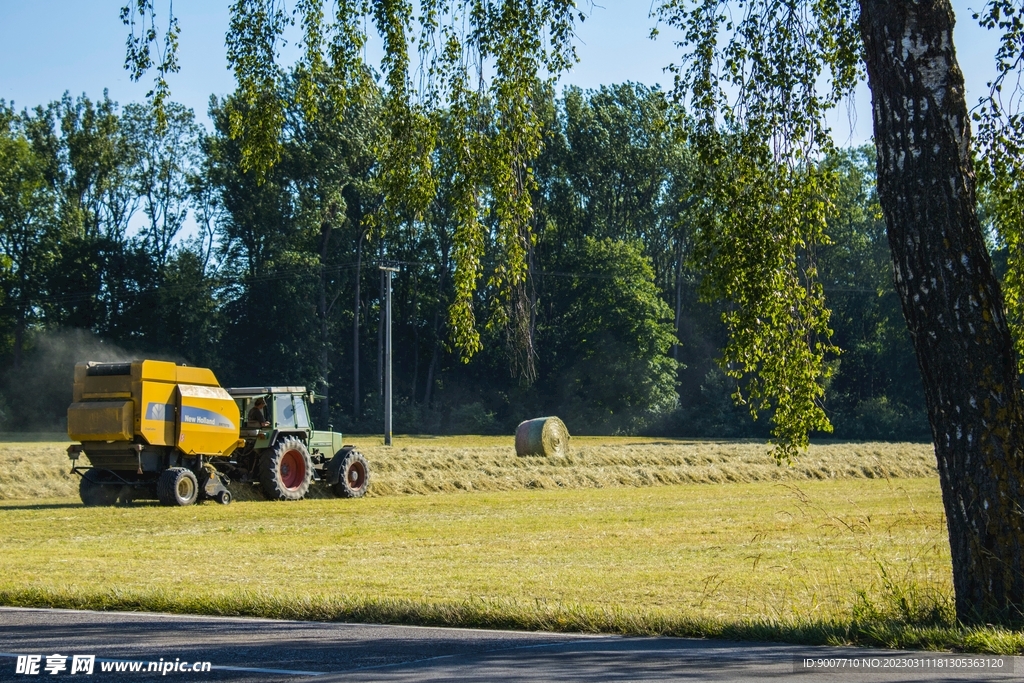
x=146, y=48
x=752, y=74
x=1001, y=138
x=478, y=62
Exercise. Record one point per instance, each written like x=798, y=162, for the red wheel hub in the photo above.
x=356, y=475
x=293, y=470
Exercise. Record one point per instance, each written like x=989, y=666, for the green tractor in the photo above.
x=282, y=451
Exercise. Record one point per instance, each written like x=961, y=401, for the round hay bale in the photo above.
x=545, y=436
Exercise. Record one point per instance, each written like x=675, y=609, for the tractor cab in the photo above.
x=285, y=410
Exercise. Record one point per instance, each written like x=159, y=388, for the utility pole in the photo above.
x=387, y=272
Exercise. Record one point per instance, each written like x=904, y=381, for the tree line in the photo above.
x=147, y=232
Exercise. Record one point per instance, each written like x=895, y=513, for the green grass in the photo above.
x=861, y=561
x=424, y=464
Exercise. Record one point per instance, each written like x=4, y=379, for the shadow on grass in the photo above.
x=140, y=503
x=39, y=506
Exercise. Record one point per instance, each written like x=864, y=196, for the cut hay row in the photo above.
x=35, y=470
x=424, y=465
x=594, y=463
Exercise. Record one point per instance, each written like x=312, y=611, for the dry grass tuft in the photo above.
x=424, y=465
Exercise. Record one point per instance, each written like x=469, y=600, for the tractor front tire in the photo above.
x=353, y=475
x=94, y=493
x=286, y=471
x=177, y=486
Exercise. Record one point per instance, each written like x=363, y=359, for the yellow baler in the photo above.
x=150, y=429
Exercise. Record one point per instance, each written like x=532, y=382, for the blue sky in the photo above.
x=49, y=46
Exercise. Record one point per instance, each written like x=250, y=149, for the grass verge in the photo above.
x=889, y=632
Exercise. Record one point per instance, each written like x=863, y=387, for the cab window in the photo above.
x=301, y=416
x=284, y=412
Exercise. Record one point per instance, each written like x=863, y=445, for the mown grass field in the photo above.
x=422, y=465
x=849, y=546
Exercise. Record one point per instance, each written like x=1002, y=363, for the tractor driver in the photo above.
x=257, y=415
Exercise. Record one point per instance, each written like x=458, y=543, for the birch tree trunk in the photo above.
x=951, y=299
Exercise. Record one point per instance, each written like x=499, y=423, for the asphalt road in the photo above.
x=245, y=650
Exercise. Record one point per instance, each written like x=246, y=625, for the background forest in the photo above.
x=125, y=236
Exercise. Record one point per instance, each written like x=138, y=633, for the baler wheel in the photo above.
x=286, y=471
x=353, y=475
x=177, y=486
x=94, y=493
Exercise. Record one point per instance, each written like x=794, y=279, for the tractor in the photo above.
x=285, y=455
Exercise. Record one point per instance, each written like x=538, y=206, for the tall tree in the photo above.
x=951, y=299
x=876, y=391
x=95, y=158
x=270, y=266
x=168, y=155
x=28, y=225
x=616, y=164
x=332, y=165
x=604, y=336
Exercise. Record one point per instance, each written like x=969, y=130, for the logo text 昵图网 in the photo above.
x=35, y=665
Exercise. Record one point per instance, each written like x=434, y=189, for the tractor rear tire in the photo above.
x=353, y=475
x=94, y=493
x=286, y=471
x=177, y=486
